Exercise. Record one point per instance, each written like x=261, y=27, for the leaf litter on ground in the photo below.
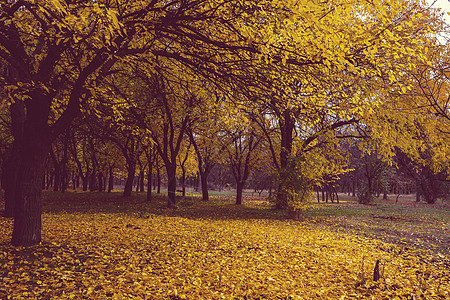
x=214, y=250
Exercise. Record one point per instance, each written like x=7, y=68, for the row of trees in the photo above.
x=279, y=82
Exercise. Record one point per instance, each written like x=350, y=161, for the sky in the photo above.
x=445, y=5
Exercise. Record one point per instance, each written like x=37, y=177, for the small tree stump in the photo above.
x=376, y=271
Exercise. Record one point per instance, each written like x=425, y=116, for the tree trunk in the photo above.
x=10, y=170
x=110, y=180
x=141, y=181
x=196, y=182
x=85, y=180
x=417, y=191
x=93, y=181
x=57, y=182
x=130, y=178
x=100, y=182
x=28, y=209
x=32, y=152
x=137, y=182
x=49, y=180
x=158, y=181
x=9, y=178
x=183, y=183
x=204, y=182
x=287, y=129
x=239, y=189
x=149, y=183
x=171, y=186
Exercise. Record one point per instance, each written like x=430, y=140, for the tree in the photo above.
x=187, y=163
x=203, y=134
x=52, y=52
x=240, y=140
x=294, y=58
x=339, y=88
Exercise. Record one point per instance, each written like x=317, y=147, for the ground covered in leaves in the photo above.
x=100, y=246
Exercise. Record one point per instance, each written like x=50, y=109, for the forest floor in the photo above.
x=104, y=246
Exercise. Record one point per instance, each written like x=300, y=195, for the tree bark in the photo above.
x=239, y=190
x=171, y=186
x=111, y=179
x=100, y=181
x=32, y=152
x=10, y=170
x=158, y=180
x=141, y=181
x=287, y=129
x=131, y=168
x=9, y=178
x=149, y=183
x=204, y=183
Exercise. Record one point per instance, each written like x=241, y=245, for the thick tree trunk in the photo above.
x=287, y=129
x=32, y=152
x=9, y=178
x=28, y=209
x=10, y=172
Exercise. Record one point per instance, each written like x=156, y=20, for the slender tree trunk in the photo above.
x=111, y=179
x=417, y=191
x=64, y=176
x=130, y=178
x=100, y=182
x=57, y=182
x=85, y=180
x=151, y=155
x=141, y=181
x=48, y=180
x=204, y=183
x=171, y=186
x=239, y=190
x=196, y=181
x=93, y=182
x=137, y=182
x=149, y=183
x=158, y=181
x=183, y=183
